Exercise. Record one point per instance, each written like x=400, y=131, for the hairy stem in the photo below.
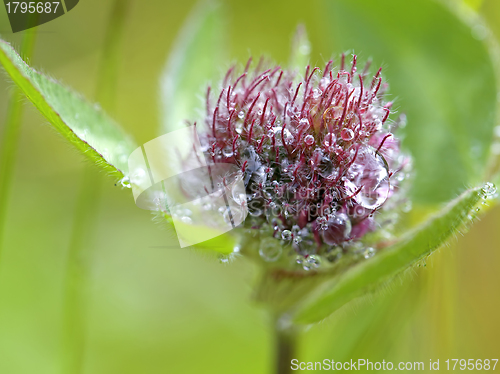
x=10, y=139
x=285, y=346
x=87, y=204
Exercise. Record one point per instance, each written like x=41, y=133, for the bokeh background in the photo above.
x=164, y=310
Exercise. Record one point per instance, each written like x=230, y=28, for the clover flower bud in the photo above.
x=317, y=154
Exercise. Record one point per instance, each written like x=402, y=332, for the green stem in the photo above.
x=87, y=204
x=75, y=292
x=10, y=138
x=285, y=347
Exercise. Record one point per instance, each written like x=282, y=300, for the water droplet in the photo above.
x=337, y=229
x=329, y=140
x=311, y=262
x=369, y=252
x=347, y=134
x=368, y=181
x=304, y=123
x=322, y=223
x=227, y=151
x=297, y=239
x=287, y=135
x=270, y=250
x=317, y=93
x=489, y=189
x=334, y=254
x=125, y=182
x=238, y=127
x=286, y=235
x=241, y=114
x=309, y=140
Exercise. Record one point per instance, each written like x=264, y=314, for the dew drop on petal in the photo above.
x=317, y=93
x=369, y=180
x=241, y=114
x=309, y=140
x=304, y=123
x=322, y=223
x=347, y=134
x=227, y=151
x=286, y=235
x=287, y=135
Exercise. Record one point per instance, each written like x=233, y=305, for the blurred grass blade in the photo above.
x=85, y=125
x=301, y=50
x=196, y=58
x=10, y=137
x=391, y=261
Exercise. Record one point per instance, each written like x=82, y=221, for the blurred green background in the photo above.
x=160, y=310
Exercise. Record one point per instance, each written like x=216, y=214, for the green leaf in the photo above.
x=439, y=75
x=413, y=247
x=196, y=58
x=85, y=125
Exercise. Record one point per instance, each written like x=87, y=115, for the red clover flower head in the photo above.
x=317, y=154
